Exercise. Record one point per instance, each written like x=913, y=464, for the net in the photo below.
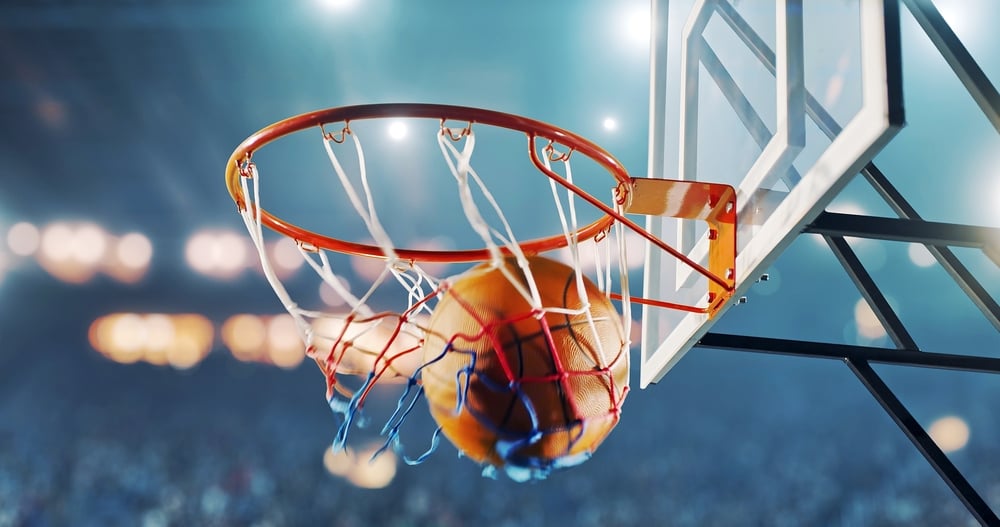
x=369, y=344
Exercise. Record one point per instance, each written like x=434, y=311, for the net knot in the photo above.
x=336, y=137
x=246, y=167
x=623, y=193
x=602, y=235
x=452, y=134
x=555, y=155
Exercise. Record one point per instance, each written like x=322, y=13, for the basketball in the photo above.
x=524, y=389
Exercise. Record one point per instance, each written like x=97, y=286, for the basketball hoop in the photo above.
x=379, y=344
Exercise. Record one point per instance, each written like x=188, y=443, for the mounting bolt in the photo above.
x=729, y=274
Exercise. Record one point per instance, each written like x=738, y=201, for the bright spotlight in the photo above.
x=397, y=130
x=337, y=4
x=637, y=25
x=610, y=124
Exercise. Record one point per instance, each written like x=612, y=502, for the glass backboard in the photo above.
x=784, y=100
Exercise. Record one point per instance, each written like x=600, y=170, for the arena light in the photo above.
x=338, y=462
x=330, y=297
x=70, y=253
x=286, y=257
x=88, y=244
x=285, y=348
x=129, y=257
x=950, y=433
x=245, y=336
x=270, y=339
x=180, y=341
x=920, y=256
x=338, y=5
x=360, y=468
x=397, y=130
x=370, y=472
x=134, y=250
x=192, y=342
x=219, y=254
x=23, y=239
x=57, y=242
x=868, y=325
x=636, y=25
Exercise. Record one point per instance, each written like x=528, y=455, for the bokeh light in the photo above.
x=88, y=244
x=71, y=253
x=367, y=268
x=369, y=473
x=610, y=124
x=950, y=433
x=134, y=251
x=219, y=254
x=268, y=339
x=338, y=462
x=180, y=341
x=920, y=256
x=359, y=468
x=129, y=257
x=330, y=296
x=286, y=257
x=192, y=341
x=245, y=336
x=23, y=238
x=868, y=325
x=57, y=240
x=285, y=346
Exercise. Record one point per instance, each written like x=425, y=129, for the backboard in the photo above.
x=785, y=100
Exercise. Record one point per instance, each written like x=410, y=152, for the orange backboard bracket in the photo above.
x=713, y=203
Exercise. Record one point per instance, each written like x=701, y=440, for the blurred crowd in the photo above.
x=88, y=442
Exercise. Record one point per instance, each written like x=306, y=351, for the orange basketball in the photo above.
x=525, y=389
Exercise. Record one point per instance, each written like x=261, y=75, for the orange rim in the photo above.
x=239, y=161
